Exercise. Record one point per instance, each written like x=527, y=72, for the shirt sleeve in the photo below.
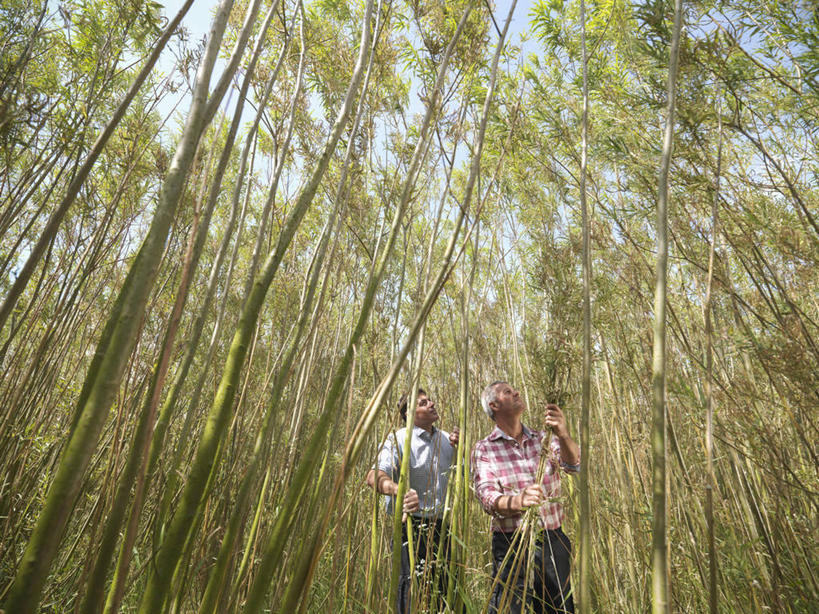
x=388, y=458
x=555, y=446
x=484, y=479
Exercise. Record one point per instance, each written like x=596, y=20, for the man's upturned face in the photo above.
x=425, y=412
x=507, y=400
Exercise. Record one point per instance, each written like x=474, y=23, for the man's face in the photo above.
x=425, y=412
x=507, y=400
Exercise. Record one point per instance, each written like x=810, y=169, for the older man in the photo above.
x=504, y=472
x=432, y=452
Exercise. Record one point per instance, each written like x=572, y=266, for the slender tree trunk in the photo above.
x=709, y=378
x=206, y=456
x=117, y=341
x=659, y=558
x=585, y=603
x=456, y=575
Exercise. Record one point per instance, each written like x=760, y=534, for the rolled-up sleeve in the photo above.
x=555, y=445
x=484, y=479
x=388, y=460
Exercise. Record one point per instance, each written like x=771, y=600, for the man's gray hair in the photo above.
x=488, y=396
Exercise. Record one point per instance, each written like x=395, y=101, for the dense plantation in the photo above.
x=224, y=258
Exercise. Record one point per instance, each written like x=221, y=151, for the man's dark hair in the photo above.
x=402, y=404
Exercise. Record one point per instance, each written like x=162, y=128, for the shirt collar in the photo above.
x=419, y=432
x=497, y=433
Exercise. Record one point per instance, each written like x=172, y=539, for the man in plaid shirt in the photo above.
x=505, y=467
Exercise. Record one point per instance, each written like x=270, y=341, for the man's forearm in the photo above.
x=382, y=483
x=508, y=505
x=386, y=486
x=569, y=450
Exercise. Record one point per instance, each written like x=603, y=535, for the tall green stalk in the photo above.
x=659, y=551
x=585, y=443
x=194, y=497
x=709, y=378
x=116, y=344
x=398, y=516
x=457, y=522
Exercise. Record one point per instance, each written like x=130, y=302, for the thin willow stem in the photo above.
x=709, y=377
x=660, y=603
x=116, y=343
x=585, y=541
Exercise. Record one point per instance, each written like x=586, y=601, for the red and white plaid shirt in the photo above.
x=502, y=466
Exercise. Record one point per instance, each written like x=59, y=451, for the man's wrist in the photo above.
x=386, y=486
x=509, y=505
x=569, y=452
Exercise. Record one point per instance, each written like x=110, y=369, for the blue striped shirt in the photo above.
x=431, y=456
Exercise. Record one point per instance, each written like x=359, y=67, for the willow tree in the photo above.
x=709, y=385
x=298, y=489
x=585, y=442
x=192, y=501
x=659, y=555
x=117, y=341
x=81, y=174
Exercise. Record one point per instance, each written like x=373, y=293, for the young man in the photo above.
x=432, y=452
x=504, y=474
